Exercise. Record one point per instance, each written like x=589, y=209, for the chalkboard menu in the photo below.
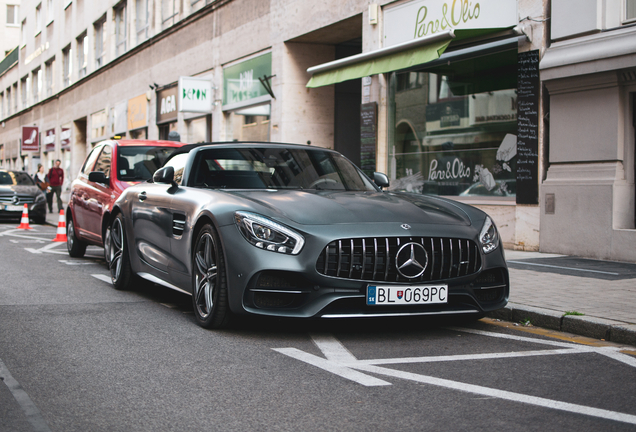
x=368, y=137
x=528, y=92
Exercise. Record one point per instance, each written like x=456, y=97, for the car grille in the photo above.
x=23, y=199
x=374, y=258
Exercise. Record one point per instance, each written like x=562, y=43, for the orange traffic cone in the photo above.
x=61, y=228
x=24, y=222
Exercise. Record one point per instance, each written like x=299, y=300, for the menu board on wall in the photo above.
x=528, y=93
x=368, y=137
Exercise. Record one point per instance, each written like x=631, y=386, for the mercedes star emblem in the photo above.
x=406, y=226
x=411, y=260
x=15, y=200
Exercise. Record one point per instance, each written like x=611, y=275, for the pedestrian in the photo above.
x=56, y=179
x=42, y=181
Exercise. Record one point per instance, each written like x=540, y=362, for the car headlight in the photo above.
x=489, y=237
x=267, y=234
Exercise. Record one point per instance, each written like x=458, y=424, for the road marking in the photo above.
x=564, y=268
x=76, y=263
x=103, y=277
x=48, y=249
x=340, y=361
x=27, y=241
x=33, y=414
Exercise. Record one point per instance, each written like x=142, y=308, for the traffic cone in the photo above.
x=24, y=222
x=61, y=228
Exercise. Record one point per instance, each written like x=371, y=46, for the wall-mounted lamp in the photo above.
x=373, y=13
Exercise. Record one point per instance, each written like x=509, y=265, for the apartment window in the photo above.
x=67, y=65
x=25, y=83
x=630, y=10
x=142, y=21
x=23, y=33
x=50, y=8
x=99, y=43
x=8, y=101
x=82, y=55
x=38, y=18
x=120, y=28
x=49, y=68
x=169, y=11
x=37, y=85
x=13, y=13
x=15, y=98
x=1, y=105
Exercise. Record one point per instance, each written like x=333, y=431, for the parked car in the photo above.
x=16, y=189
x=299, y=231
x=110, y=167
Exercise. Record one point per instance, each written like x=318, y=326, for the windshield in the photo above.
x=140, y=163
x=15, y=178
x=277, y=168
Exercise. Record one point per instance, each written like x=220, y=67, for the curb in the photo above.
x=597, y=328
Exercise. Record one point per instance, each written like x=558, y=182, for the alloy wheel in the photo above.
x=116, y=249
x=206, y=275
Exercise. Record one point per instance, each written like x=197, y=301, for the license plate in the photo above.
x=14, y=208
x=407, y=295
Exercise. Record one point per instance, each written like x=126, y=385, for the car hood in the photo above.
x=336, y=207
x=20, y=189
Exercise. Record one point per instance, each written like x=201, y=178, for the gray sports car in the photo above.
x=299, y=231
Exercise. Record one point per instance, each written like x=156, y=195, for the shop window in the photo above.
x=165, y=129
x=454, y=128
x=139, y=133
x=199, y=130
x=630, y=10
x=251, y=124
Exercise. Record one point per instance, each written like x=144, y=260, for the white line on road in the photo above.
x=48, y=248
x=564, y=268
x=103, y=277
x=31, y=411
x=340, y=361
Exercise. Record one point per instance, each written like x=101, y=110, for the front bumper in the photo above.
x=267, y=283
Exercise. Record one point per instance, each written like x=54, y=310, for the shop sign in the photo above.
x=195, y=95
x=49, y=140
x=167, y=107
x=65, y=138
x=241, y=82
x=30, y=139
x=421, y=18
x=137, y=110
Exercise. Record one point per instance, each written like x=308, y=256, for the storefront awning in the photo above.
x=396, y=57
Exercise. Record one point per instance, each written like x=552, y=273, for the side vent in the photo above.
x=178, y=224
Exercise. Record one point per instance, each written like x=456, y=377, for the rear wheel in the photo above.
x=209, y=294
x=76, y=248
x=118, y=261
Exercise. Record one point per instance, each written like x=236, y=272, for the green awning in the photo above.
x=390, y=59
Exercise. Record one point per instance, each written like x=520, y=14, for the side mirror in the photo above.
x=164, y=175
x=98, y=177
x=381, y=179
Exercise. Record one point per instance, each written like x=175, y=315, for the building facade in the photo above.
x=588, y=195
x=442, y=95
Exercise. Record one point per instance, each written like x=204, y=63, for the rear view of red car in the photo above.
x=110, y=167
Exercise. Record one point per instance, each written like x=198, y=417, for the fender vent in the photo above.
x=178, y=224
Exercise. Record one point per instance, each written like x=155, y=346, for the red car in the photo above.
x=110, y=167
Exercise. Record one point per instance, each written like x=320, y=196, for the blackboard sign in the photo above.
x=528, y=92
x=368, y=137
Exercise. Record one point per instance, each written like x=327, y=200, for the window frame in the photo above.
x=16, y=15
x=120, y=14
x=99, y=46
x=67, y=66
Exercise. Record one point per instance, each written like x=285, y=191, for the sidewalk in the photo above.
x=550, y=291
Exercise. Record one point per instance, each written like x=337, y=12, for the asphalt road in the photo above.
x=77, y=355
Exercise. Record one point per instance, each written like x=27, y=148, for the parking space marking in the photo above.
x=48, y=249
x=103, y=277
x=77, y=263
x=340, y=361
x=31, y=411
x=563, y=268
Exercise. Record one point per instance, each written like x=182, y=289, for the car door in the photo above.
x=152, y=227
x=98, y=195
x=80, y=192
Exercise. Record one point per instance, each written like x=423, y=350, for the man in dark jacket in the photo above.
x=56, y=179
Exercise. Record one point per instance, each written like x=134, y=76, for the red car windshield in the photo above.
x=140, y=163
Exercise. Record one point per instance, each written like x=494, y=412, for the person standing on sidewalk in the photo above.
x=56, y=179
x=42, y=181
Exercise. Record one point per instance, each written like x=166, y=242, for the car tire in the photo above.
x=121, y=273
x=107, y=246
x=76, y=248
x=209, y=281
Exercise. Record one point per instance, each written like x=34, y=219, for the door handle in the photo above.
x=142, y=196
